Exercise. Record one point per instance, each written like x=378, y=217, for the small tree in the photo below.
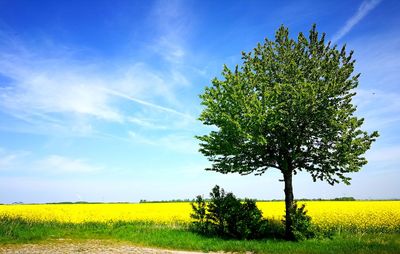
x=289, y=107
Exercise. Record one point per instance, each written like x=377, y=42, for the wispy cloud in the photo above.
x=143, y=122
x=24, y=162
x=8, y=160
x=60, y=164
x=144, y=81
x=180, y=142
x=56, y=91
x=381, y=109
x=365, y=7
x=172, y=20
x=377, y=58
x=149, y=104
x=42, y=85
x=384, y=154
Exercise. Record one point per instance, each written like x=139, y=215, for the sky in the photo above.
x=99, y=100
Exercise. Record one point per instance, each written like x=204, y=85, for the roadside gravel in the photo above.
x=90, y=246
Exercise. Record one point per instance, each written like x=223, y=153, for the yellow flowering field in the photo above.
x=360, y=215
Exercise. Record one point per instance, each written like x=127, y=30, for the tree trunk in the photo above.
x=287, y=177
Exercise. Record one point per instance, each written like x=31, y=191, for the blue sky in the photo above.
x=99, y=99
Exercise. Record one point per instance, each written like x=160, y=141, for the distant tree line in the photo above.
x=207, y=200
x=85, y=202
x=316, y=199
x=242, y=199
x=167, y=201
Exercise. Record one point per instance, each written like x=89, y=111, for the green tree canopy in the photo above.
x=289, y=107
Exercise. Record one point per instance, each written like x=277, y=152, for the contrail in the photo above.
x=363, y=10
x=149, y=104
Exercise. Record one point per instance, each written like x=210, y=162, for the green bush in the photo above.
x=226, y=216
x=200, y=222
x=301, y=223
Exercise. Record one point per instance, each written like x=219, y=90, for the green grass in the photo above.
x=178, y=237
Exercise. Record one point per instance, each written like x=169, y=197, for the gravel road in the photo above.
x=91, y=246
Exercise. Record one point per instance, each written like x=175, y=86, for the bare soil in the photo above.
x=90, y=246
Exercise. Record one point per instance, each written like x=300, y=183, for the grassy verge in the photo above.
x=178, y=237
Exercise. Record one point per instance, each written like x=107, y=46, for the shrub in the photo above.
x=226, y=216
x=301, y=223
x=200, y=223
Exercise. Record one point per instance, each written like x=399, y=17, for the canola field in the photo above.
x=362, y=216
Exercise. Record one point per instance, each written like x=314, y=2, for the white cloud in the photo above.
x=384, y=154
x=23, y=162
x=141, y=80
x=380, y=109
x=9, y=160
x=60, y=164
x=148, y=104
x=146, y=123
x=52, y=92
x=180, y=143
x=365, y=7
x=45, y=85
x=140, y=139
x=169, y=48
x=377, y=58
x=172, y=20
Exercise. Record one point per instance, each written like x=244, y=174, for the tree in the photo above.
x=289, y=107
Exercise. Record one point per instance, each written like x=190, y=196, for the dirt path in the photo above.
x=91, y=246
